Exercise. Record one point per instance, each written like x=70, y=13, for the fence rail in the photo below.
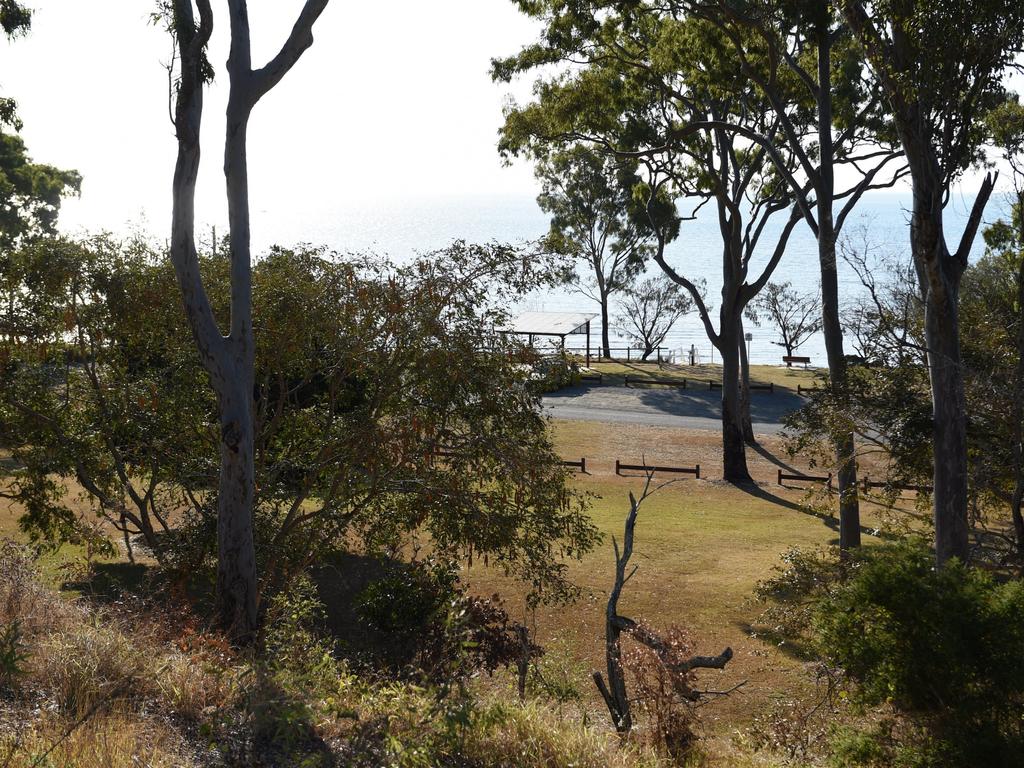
x=657, y=355
x=684, y=383
x=807, y=478
x=770, y=387
x=666, y=382
x=619, y=466
x=867, y=484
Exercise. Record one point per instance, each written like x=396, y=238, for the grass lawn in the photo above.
x=701, y=547
x=614, y=373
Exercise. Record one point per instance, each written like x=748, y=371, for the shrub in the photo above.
x=435, y=627
x=671, y=720
x=12, y=653
x=944, y=647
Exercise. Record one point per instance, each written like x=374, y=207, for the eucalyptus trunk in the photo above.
x=939, y=274
x=229, y=359
x=734, y=451
x=745, y=420
x=606, y=346
x=831, y=327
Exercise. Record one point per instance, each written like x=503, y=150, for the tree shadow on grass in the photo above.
x=109, y=582
x=771, y=457
x=794, y=647
x=828, y=520
x=340, y=580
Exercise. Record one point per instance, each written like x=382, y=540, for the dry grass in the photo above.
x=111, y=739
x=786, y=378
x=94, y=687
x=531, y=736
x=701, y=546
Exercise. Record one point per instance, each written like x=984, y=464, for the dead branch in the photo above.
x=614, y=690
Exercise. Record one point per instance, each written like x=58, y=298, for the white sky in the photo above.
x=393, y=100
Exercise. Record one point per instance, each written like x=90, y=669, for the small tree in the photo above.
x=377, y=418
x=593, y=218
x=796, y=315
x=939, y=96
x=648, y=310
x=228, y=358
x=30, y=193
x=679, y=669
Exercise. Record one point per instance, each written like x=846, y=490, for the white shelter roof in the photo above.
x=549, y=323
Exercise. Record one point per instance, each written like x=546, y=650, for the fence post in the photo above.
x=583, y=465
x=780, y=477
x=616, y=466
x=698, y=471
x=829, y=482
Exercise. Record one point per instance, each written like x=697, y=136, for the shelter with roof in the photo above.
x=556, y=324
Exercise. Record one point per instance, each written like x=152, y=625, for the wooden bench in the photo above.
x=790, y=359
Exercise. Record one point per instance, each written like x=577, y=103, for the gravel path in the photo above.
x=665, y=406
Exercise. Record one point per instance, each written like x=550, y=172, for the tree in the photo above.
x=889, y=406
x=796, y=315
x=801, y=58
x=228, y=359
x=1005, y=242
x=15, y=19
x=938, y=96
x=30, y=193
x=680, y=669
x=649, y=309
x=594, y=218
x=652, y=87
x=376, y=417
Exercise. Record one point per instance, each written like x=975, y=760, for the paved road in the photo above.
x=665, y=406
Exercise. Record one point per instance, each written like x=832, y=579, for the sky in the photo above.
x=393, y=101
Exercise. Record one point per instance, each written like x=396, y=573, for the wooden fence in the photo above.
x=807, y=478
x=867, y=484
x=666, y=382
x=619, y=466
x=770, y=387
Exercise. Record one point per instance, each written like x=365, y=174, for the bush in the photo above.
x=671, y=720
x=435, y=628
x=944, y=647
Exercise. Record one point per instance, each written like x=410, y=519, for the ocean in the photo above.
x=402, y=228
